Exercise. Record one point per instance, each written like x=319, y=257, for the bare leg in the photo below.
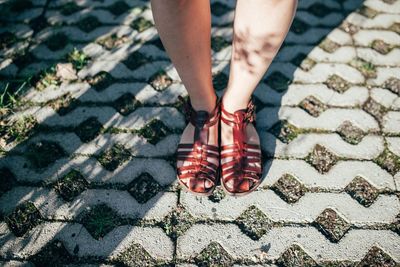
x=184, y=27
x=260, y=27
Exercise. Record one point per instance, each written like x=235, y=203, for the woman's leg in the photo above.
x=184, y=27
x=260, y=26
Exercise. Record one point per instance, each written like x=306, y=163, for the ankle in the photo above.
x=232, y=104
x=207, y=104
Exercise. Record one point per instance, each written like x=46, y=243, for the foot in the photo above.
x=187, y=137
x=252, y=137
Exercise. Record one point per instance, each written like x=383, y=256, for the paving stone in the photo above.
x=308, y=238
x=51, y=206
x=329, y=120
x=278, y=210
x=337, y=178
x=296, y=148
x=150, y=238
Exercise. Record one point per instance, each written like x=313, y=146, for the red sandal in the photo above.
x=244, y=168
x=193, y=176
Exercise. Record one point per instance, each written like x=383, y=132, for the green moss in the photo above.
x=78, y=59
x=71, y=185
x=19, y=130
x=100, y=220
x=160, y=80
x=101, y=81
x=70, y=8
x=141, y=24
x=114, y=157
x=25, y=217
x=88, y=24
x=214, y=255
x=57, y=41
x=144, y=187
x=388, y=161
x=254, y=223
x=88, y=129
x=154, y=131
x=43, y=153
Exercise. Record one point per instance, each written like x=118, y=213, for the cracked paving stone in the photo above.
x=113, y=41
x=319, y=10
x=118, y=8
x=337, y=83
x=52, y=254
x=367, y=12
x=64, y=104
x=298, y=26
x=395, y=27
x=381, y=47
x=328, y=45
x=135, y=60
x=295, y=256
x=89, y=129
x=43, y=153
x=321, y=158
x=160, y=80
x=56, y=41
x=101, y=81
x=7, y=180
x=284, y=131
x=289, y=188
x=141, y=24
x=366, y=68
x=135, y=256
x=71, y=185
x=393, y=84
x=388, y=161
x=220, y=81
x=177, y=222
x=99, y=220
x=218, y=43
x=217, y=195
x=362, y=191
x=377, y=257
x=7, y=39
x=70, y=8
x=126, y=104
x=213, y=255
x=144, y=188
x=219, y=9
x=331, y=224
x=113, y=157
x=278, y=81
x=350, y=133
x=254, y=223
x=374, y=108
x=24, y=218
x=312, y=105
x=88, y=24
x=154, y=131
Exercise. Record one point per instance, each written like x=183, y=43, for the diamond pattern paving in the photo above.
x=90, y=121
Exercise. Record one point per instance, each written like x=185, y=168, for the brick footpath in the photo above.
x=87, y=164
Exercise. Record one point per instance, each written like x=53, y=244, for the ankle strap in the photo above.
x=247, y=114
x=200, y=118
